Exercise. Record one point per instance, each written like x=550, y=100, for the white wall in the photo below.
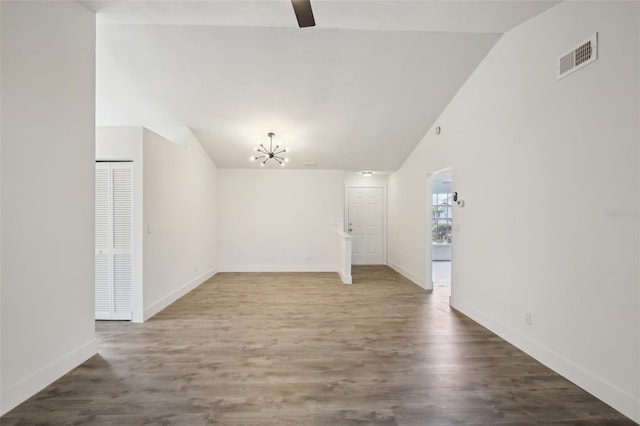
x=356, y=180
x=1, y=134
x=179, y=219
x=279, y=220
x=48, y=86
x=559, y=160
x=125, y=144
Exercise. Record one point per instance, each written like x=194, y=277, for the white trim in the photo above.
x=177, y=294
x=346, y=279
x=278, y=268
x=344, y=257
x=38, y=380
x=408, y=275
x=609, y=393
x=428, y=252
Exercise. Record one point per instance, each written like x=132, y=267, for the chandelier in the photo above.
x=271, y=153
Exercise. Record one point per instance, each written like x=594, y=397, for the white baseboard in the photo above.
x=43, y=377
x=278, y=268
x=408, y=275
x=607, y=392
x=177, y=294
x=346, y=279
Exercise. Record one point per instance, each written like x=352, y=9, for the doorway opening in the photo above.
x=442, y=229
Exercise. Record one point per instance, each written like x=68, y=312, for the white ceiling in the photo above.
x=356, y=92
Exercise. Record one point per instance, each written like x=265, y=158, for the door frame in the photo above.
x=113, y=251
x=428, y=255
x=428, y=277
x=138, y=236
x=384, y=215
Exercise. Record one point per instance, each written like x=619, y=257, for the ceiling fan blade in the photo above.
x=304, y=14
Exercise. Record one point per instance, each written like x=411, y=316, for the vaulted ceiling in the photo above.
x=358, y=91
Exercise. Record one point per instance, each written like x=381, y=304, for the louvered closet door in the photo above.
x=114, y=241
x=104, y=279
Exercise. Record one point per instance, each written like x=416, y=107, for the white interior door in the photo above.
x=114, y=241
x=365, y=225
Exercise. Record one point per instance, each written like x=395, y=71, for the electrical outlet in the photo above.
x=527, y=318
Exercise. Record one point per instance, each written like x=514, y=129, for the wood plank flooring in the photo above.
x=304, y=349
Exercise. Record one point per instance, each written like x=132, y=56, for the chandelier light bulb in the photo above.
x=252, y=159
x=286, y=160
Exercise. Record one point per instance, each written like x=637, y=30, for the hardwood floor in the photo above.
x=304, y=349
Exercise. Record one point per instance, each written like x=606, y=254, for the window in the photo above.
x=441, y=211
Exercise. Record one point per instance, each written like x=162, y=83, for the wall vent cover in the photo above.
x=578, y=57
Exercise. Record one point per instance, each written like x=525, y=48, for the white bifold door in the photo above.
x=114, y=241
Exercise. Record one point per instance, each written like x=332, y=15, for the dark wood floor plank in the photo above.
x=304, y=349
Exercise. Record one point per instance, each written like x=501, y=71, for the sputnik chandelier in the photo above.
x=271, y=153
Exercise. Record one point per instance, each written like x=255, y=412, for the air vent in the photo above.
x=583, y=54
x=310, y=165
